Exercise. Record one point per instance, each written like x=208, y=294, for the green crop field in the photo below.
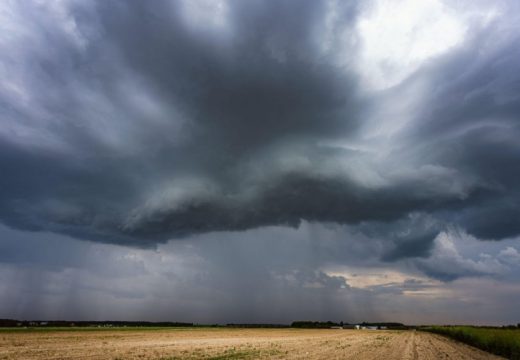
x=499, y=341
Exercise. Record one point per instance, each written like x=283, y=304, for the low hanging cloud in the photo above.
x=447, y=263
x=272, y=274
x=136, y=123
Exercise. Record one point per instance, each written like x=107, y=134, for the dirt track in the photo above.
x=233, y=344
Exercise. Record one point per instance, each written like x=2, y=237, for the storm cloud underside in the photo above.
x=156, y=125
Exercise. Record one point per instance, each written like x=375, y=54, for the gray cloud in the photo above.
x=135, y=123
x=447, y=263
x=254, y=135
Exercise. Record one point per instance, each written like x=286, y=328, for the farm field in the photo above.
x=218, y=343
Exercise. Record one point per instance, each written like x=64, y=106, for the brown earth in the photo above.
x=214, y=343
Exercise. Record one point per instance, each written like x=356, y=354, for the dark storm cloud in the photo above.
x=472, y=124
x=138, y=122
x=264, y=83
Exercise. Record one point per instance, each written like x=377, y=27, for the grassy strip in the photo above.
x=28, y=329
x=503, y=342
x=95, y=328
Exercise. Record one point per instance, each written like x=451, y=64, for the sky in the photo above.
x=226, y=161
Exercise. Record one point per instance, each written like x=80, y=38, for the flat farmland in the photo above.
x=224, y=343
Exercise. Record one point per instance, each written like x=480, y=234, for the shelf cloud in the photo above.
x=143, y=123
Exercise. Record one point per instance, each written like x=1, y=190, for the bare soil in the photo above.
x=233, y=344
